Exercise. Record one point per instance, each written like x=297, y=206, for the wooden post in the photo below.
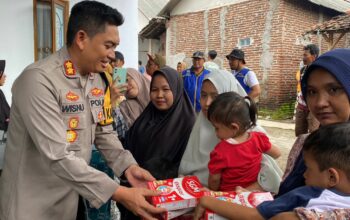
x=338, y=39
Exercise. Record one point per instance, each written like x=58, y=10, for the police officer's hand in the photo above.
x=137, y=176
x=134, y=200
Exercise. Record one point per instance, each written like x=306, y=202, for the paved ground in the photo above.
x=282, y=135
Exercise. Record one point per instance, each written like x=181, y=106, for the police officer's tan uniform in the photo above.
x=54, y=119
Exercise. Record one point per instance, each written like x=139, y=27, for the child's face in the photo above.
x=223, y=132
x=313, y=176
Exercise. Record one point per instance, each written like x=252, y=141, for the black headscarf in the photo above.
x=160, y=137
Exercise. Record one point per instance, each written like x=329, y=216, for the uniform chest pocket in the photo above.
x=97, y=104
x=72, y=102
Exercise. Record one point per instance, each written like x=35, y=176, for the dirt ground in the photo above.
x=284, y=139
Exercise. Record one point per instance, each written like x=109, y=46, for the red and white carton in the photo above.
x=178, y=193
x=249, y=199
x=175, y=213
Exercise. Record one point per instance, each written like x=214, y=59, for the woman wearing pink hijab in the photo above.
x=137, y=96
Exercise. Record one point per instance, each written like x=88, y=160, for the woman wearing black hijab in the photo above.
x=159, y=136
x=4, y=106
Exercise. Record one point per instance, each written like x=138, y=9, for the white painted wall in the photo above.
x=17, y=36
x=128, y=31
x=16, y=39
x=194, y=5
x=151, y=46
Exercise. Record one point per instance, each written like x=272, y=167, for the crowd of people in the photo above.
x=77, y=142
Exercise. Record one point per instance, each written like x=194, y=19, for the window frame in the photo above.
x=52, y=3
x=242, y=42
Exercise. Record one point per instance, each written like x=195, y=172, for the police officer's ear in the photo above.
x=81, y=39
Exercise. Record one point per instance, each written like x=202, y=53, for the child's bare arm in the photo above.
x=274, y=152
x=226, y=209
x=286, y=216
x=214, y=181
x=254, y=187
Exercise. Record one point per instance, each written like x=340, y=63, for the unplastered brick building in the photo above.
x=270, y=32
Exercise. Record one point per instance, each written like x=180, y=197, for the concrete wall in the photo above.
x=17, y=35
x=16, y=39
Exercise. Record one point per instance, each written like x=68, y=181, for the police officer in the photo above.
x=56, y=109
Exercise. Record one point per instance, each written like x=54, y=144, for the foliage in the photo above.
x=284, y=112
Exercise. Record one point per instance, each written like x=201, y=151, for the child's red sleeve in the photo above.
x=264, y=141
x=217, y=162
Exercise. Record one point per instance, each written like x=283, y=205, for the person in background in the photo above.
x=56, y=110
x=210, y=64
x=181, y=66
x=326, y=155
x=246, y=77
x=305, y=122
x=155, y=62
x=193, y=79
x=137, y=98
x=239, y=151
x=141, y=68
x=118, y=61
x=4, y=113
x=4, y=106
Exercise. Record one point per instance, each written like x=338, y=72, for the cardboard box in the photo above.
x=249, y=199
x=178, y=193
x=176, y=213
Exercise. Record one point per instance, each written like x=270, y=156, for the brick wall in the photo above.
x=275, y=28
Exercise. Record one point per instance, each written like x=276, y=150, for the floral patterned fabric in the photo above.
x=337, y=214
x=293, y=154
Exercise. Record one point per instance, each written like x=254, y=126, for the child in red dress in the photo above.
x=235, y=161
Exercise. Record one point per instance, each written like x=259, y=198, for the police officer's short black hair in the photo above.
x=313, y=49
x=330, y=147
x=91, y=17
x=212, y=54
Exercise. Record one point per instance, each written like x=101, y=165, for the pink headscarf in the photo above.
x=131, y=108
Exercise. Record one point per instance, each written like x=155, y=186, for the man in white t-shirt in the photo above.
x=210, y=64
x=246, y=77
